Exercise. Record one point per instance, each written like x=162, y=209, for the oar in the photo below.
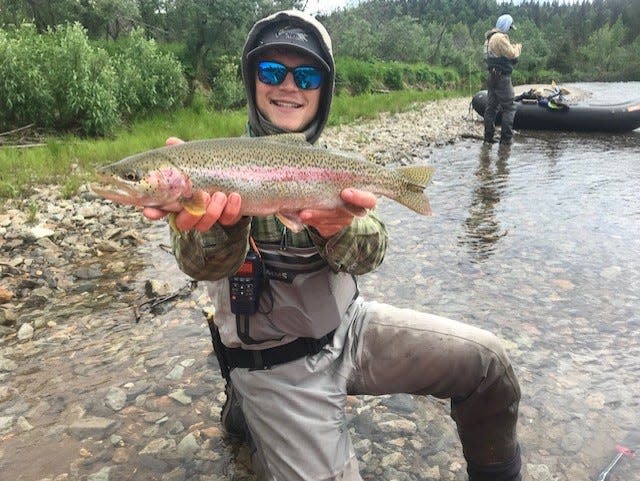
x=621, y=451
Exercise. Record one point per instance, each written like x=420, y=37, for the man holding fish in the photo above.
x=293, y=336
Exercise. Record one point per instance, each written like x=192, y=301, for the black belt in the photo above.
x=265, y=358
x=497, y=73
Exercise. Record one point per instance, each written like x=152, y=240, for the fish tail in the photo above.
x=412, y=196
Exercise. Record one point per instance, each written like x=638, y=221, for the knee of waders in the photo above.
x=507, y=471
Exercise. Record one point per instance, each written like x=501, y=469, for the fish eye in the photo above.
x=132, y=176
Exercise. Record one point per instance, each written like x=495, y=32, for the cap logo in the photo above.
x=290, y=34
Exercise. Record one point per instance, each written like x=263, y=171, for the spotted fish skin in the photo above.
x=278, y=174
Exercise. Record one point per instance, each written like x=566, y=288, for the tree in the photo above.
x=402, y=39
x=109, y=19
x=352, y=36
x=604, y=53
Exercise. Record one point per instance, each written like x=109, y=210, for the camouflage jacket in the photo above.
x=499, y=52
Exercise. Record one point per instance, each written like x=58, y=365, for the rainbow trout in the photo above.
x=279, y=174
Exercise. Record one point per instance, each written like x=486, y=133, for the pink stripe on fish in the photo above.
x=280, y=174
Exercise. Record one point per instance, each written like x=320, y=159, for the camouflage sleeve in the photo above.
x=358, y=249
x=501, y=46
x=214, y=254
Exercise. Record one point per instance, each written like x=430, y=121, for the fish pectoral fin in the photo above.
x=196, y=204
x=291, y=220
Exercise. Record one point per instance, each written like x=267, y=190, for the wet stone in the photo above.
x=539, y=472
x=181, y=397
x=92, y=426
x=5, y=295
x=403, y=403
x=158, y=446
x=88, y=272
x=6, y=422
x=188, y=446
x=25, y=332
x=155, y=288
x=177, y=474
x=153, y=417
x=23, y=425
x=176, y=373
x=116, y=398
x=101, y=475
x=572, y=442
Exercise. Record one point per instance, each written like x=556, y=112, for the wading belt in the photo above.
x=265, y=358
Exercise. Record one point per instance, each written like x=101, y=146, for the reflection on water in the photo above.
x=482, y=227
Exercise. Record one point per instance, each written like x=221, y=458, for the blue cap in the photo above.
x=504, y=23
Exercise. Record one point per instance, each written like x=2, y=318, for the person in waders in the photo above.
x=291, y=332
x=501, y=56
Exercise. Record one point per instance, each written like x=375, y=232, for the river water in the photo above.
x=539, y=243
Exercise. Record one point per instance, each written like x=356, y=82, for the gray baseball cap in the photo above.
x=288, y=36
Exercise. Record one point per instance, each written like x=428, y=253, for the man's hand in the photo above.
x=330, y=222
x=219, y=208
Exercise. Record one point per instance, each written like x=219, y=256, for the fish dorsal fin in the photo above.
x=288, y=138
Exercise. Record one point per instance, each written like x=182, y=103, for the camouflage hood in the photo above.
x=260, y=126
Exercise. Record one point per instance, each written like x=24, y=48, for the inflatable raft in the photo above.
x=547, y=113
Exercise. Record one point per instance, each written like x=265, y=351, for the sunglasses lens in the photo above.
x=271, y=73
x=308, y=78
x=274, y=73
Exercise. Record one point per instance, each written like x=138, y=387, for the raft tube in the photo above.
x=579, y=117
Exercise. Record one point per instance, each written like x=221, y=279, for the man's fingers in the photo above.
x=219, y=208
x=359, y=198
x=173, y=141
x=152, y=213
x=215, y=208
x=231, y=213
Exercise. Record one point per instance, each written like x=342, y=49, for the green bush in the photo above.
x=24, y=88
x=150, y=80
x=56, y=80
x=359, y=76
x=60, y=80
x=82, y=81
x=227, y=89
x=354, y=76
x=393, y=76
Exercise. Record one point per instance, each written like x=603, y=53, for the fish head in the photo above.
x=146, y=180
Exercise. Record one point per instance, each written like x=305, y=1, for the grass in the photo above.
x=347, y=109
x=69, y=162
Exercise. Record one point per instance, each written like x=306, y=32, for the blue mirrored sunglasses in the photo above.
x=306, y=77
